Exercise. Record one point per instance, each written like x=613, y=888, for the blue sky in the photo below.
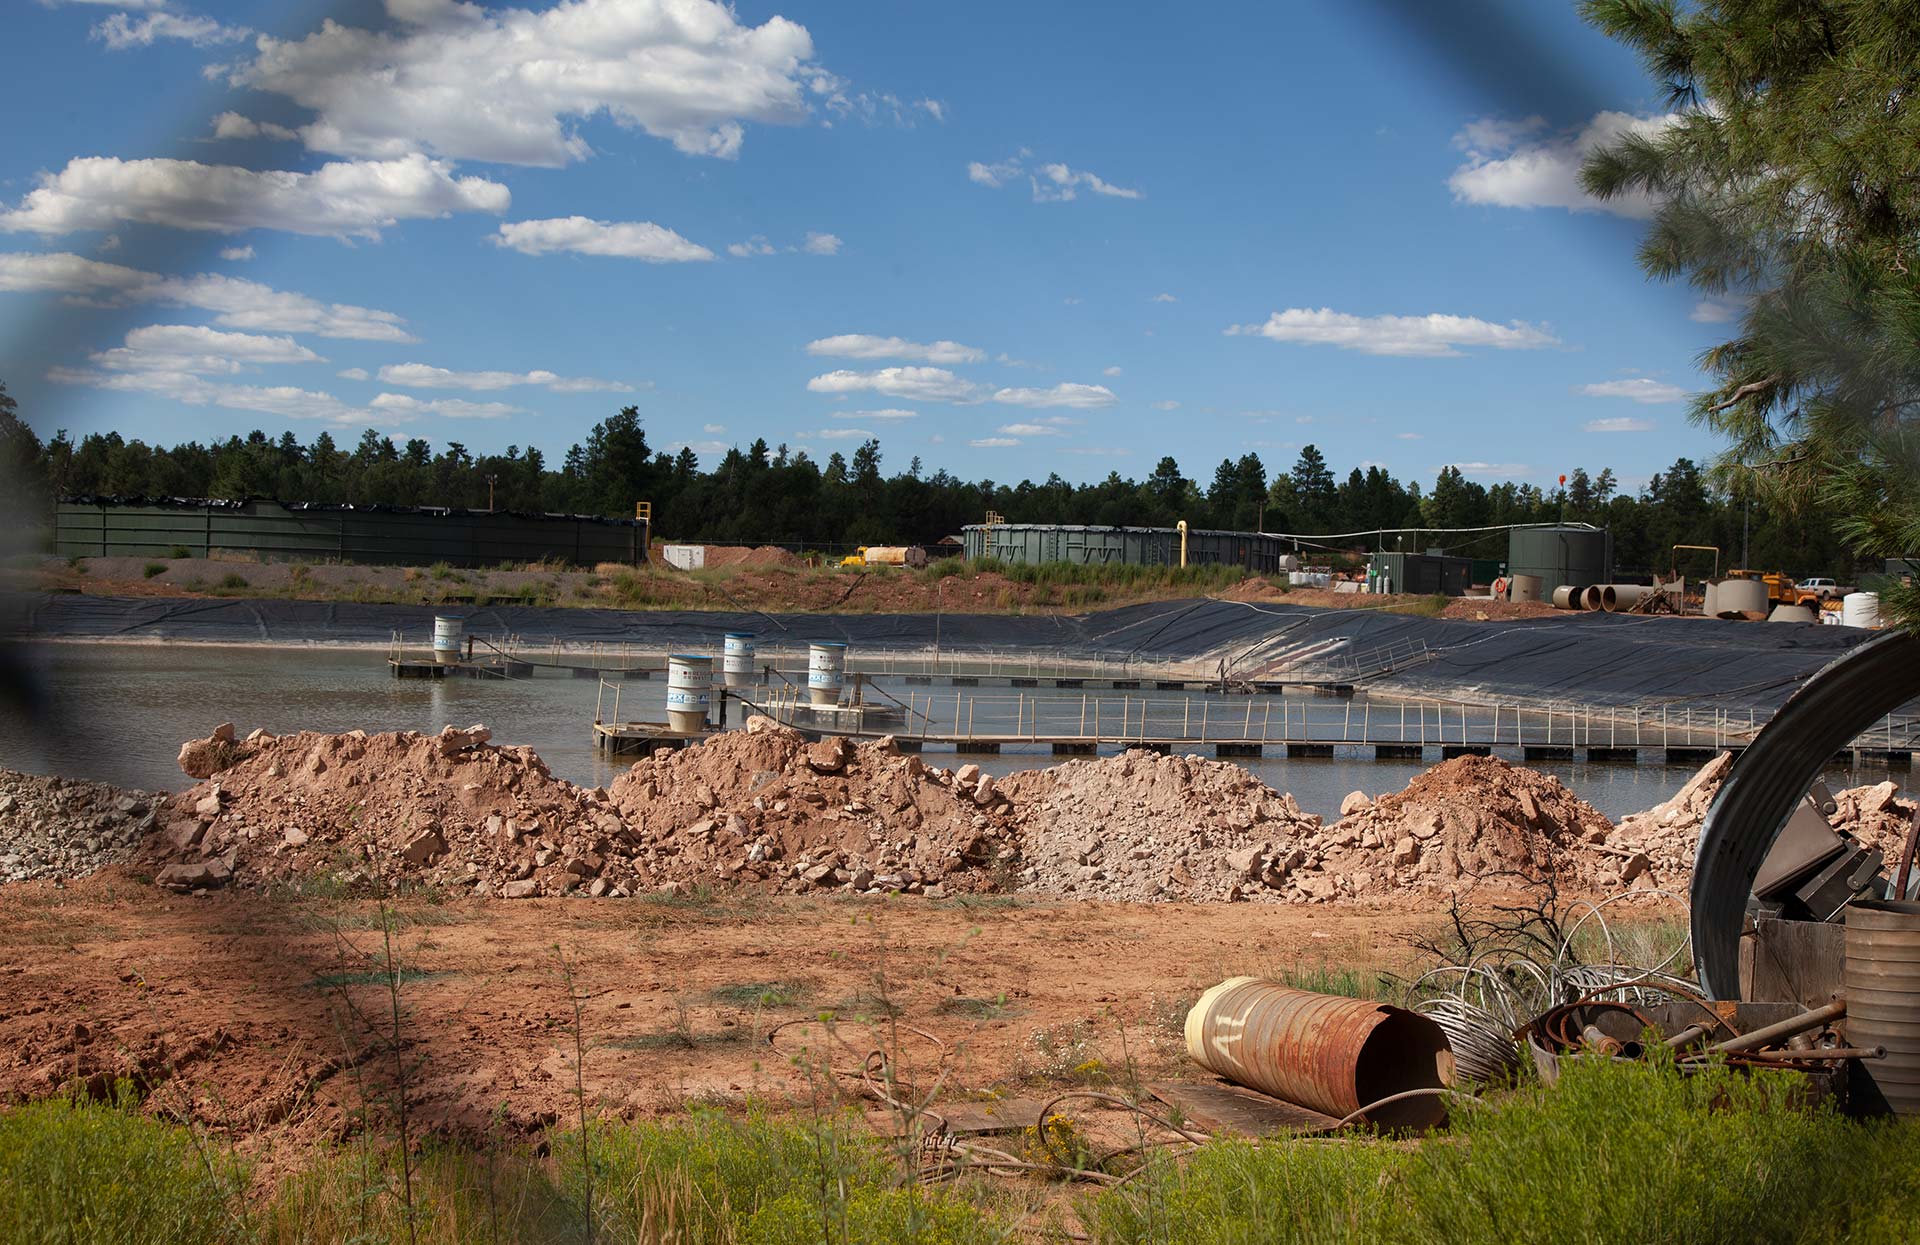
x=1008, y=238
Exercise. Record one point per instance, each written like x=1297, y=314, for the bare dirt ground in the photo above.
x=258, y=1014
x=736, y=577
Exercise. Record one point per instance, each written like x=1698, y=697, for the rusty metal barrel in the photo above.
x=1883, y=1001
x=1328, y=1054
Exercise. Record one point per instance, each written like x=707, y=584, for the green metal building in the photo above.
x=271, y=530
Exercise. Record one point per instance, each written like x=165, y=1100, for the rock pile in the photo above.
x=1876, y=816
x=1146, y=826
x=759, y=805
x=763, y=805
x=1667, y=835
x=58, y=828
x=1468, y=820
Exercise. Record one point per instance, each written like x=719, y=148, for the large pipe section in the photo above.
x=1883, y=1000
x=1619, y=598
x=1568, y=596
x=1328, y=1054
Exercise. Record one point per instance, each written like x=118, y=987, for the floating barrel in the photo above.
x=1883, y=1001
x=689, y=692
x=446, y=638
x=826, y=672
x=1524, y=587
x=1328, y=1054
x=736, y=666
x=1860, y=609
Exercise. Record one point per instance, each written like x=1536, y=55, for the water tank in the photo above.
x=736, y=667
x=1561, y=555
x=446, y=638
x=826, y=672
x=689, y=692
x=1860, y=609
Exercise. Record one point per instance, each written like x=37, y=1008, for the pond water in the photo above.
x=118, y=713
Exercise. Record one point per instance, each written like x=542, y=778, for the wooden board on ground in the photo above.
x=1218, y=1107
x=968, y=1119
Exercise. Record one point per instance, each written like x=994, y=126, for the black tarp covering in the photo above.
x=1591, y=658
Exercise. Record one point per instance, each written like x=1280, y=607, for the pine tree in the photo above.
x=1786, y=188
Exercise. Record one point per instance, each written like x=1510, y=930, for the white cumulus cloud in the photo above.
x=513, y=85
x=1618, y=425
x=887, y=413
x=821, y=244
x=236, y=254
x=1050, y=182
x=425, y=376
x=231, y=125
x=1083, y=397
x=869, y=346
x=235, y=302
x=1518, y=164
x=121, y=31
x=355, y=198
x=1433, y=336
x=994, y=443
x=915, y=384
x=1637, y=389
x=195, y=350
x=280, y=401
x=405, y=406
x=639, y=239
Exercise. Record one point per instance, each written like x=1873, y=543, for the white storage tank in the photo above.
x=1860, y=609
x=826, y=672
x=689, y=692
x=736, y=666
x=447, y=631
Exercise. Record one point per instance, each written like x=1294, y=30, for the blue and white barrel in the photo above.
x=689, y=692
x=447, y=631
x=826, y=672
x=736, y=667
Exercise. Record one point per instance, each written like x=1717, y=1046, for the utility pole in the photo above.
x=490, y=480
x=1746, y=530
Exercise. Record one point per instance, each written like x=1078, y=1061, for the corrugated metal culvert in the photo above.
x=1883, y=1001
x=1328, y=1054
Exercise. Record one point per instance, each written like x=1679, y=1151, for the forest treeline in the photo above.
x=765, y=494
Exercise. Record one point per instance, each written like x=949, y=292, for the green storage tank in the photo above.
x=1561, y=556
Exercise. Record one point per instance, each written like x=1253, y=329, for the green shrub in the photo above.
x=179, y=551
x=79, y=1171
x=1614, y=1152
x=154, y=568
x=233, y=581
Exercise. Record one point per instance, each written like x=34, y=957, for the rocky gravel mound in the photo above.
x=58, y=828
x=1147, y=826
x=1664, y=838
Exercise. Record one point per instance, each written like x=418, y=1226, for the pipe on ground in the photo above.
x=1328, y=1054
x=1569, y=597
x=1619, y=598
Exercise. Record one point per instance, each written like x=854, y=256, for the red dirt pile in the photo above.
x=759, y=805
x=1666, y=835
x=1465, y=820
x=1145, y=826
x=763, y=805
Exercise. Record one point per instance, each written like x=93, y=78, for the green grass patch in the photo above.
x=232, y=581
x=405, y=974
x=763, y=993
x=1420, y=607
x=975, y=1009
x=152, y=569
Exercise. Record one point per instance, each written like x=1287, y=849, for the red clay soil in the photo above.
x=260, y=1014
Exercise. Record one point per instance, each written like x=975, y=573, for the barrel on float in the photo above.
x=736, y=666
x=826, y=672
x=446, y=638
x=689, y=692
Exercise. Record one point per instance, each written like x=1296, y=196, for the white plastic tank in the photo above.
x=447, y=631
x=826, y=672
x=736, y=663
x=689, y=692
x=1860, y=609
